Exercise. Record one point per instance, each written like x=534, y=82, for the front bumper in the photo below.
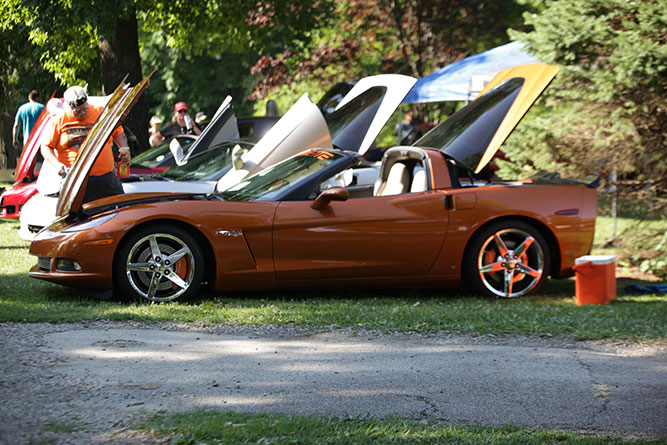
x=95, y=260
x=14, y=197
x=75, y=279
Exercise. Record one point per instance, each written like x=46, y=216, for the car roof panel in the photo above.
x=474, y=134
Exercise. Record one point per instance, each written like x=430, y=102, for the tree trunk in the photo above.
x=8, y=155
x=119, y=57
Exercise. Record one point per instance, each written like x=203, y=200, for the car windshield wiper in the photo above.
x=215, y=195
x=157, y=178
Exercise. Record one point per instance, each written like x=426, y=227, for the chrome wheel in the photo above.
x=510, y=263
x=160, y=265
x=507, y=259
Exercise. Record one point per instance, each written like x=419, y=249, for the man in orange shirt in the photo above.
x=60, y=145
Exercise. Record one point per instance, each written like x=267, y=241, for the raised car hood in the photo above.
x=28, y=160
x=473, y=134
x=113, y=115
x=354, y=126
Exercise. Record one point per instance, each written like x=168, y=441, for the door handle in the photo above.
x=449, y=202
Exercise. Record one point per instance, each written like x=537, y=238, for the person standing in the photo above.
x=272, y=108
x=404, y=128
x=61, y=144
x=153, y=130
x=181, y=123
x=26, y=116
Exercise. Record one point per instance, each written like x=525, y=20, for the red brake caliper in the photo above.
x=181, y=269
x=489, y=257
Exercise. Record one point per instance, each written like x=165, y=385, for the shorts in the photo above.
x=102, y=186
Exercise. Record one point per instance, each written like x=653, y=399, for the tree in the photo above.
x=607, y=107
x=606, y=113
x=83, y=42
x=20, y=72
x=76, y=35
x=200, y=80
x=412, y=37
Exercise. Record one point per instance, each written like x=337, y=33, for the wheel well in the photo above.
x=207, y=250
x=543, y=229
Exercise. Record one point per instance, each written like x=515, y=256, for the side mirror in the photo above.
x=332, y=194
x=177, y=151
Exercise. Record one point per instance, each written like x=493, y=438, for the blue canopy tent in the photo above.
x=453, y=82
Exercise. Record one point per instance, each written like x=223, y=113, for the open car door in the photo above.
x=222, y=128
x=353, y=126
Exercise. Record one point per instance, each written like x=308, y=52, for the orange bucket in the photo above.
x=595, y=279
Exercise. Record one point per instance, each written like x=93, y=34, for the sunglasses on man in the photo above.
x=78, y=102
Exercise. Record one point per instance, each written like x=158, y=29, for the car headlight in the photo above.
x=89, y=224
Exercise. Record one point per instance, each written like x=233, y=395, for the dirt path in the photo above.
x=97, y=378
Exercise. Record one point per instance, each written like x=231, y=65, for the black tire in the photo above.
x=159, y=263
x=495, y=266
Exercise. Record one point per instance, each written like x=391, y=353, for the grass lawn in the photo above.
x=211, y=427
x=551, y=313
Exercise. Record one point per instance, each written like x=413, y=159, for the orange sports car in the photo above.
x=427, y=220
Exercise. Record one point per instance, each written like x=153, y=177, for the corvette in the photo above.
x=429, y=219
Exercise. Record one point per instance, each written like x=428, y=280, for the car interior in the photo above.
x=402, y=171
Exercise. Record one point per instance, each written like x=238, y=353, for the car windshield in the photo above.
x=349, y=124
x=207, y=166
x=269, y=183
x=154, y=156
x=465, y=135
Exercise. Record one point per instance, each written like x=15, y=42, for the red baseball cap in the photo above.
x=180, y=106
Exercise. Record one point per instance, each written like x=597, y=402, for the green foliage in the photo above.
x=639, y=244
x=208, y=46
x=202, y=80
x=412, y=37
x=20, y=69
x=234, y=25
x=214, y=427
x=286, y=95
x=607, y=105
x=66, y=33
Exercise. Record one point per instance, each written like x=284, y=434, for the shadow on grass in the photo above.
x=343, y=293
x=552, y=312
x=21, y=285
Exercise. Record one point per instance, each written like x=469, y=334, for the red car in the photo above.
x=427, y=221
x=25, y=176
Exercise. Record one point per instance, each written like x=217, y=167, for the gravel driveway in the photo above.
x=97, y=378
